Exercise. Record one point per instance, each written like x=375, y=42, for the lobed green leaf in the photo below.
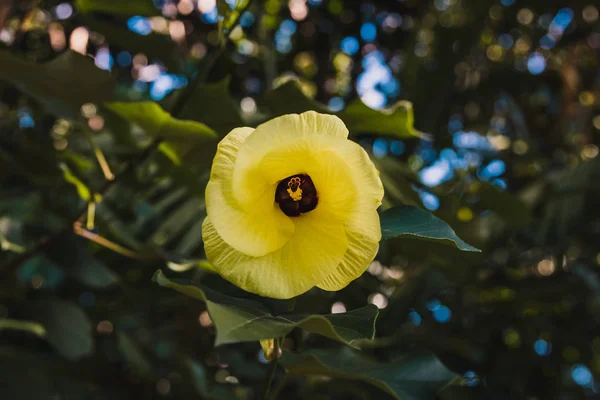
x=241, y=320
x=397, y=121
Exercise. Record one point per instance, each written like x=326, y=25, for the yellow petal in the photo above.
x=315, y=250
x=257, y=231
x=292, y=134
x=227, y=151
x=291, y=127
x=363, y=171
x=270, y=350
x=361, y=251
x=363, y=228
x=254, y=234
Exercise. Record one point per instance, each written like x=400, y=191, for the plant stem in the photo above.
x=272, y=370
x=280, y=385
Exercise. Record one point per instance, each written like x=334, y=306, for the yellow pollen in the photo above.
x=295, y=195
x=294, y=189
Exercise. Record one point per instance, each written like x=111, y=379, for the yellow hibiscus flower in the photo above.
x=292, y=205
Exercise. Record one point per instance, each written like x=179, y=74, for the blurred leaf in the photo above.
x=144, y=8
x=157, y=122
x=289, y=99
x=231, y=15
x=456, y=390
x=414, y=221
x=73, y=254
x=213, y=105
x=396, y=178
x=412, y=377
x=154, y=46
x=95, y=274
x=183, y=140
x=198, y=376
x=506, y=205
x=133, y=355
x=8, y=245
x=62, y=85
x=25, y=326
x=68, y=328
x=396, y=121
x=82, y=190
x=200, y=381
x=239, y=319
x=187, y=265
x=26, y=375
x=41, y=266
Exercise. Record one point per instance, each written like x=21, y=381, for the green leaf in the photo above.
x=154, y=46
x=230, y=15
x=414, y=221
x=412, y=377
x=128, y=8
x=68, y=328
x=213, y=105
x=184, y=141
x=24, y=326
x=397, y=121
x=240, y=320
x=133, y=355
x=288, y=98
x=62, y=85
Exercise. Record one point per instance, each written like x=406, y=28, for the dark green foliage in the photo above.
x=487, y=280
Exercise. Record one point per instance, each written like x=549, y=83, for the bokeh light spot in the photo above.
x=139, y=25
x=368, y=32
x=442, y=314
x=542, y=347
x=350, y=45
x=582, y=375
x=536, y=63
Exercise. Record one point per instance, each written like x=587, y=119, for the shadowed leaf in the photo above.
x=212, y=105
x=62, y=85
x=240, y=320
x=416, y=222
x=506, y=205
x=68, y=328
x=411, y=377
x=154, y=46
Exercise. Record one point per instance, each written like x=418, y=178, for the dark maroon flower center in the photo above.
x=296, y=195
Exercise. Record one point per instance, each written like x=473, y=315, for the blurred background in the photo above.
x=506, y=102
